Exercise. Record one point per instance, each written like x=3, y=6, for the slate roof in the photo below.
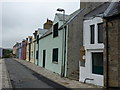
x=60, y=16
x=106, y=9
x=99, y=10
x=46, y=33
x=68, y=18
x=71, y=17
x=113, y=9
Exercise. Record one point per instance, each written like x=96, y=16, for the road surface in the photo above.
x=23, y=77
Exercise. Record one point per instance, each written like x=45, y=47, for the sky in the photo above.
x=19, y=19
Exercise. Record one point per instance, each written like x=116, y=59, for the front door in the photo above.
x=44, y=54
x=29, y=51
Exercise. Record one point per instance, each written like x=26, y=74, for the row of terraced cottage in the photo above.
x=84, y=46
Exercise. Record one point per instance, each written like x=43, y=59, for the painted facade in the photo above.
x=89, y=69
x=15, y=50
x=1, y=52
x=92, y=55
x=38, y=34
x=34, y=44
x=23, y=52
x=47, y=44
x=59, y=44
x=27, y=49
x=19, y=50
x=31, y=50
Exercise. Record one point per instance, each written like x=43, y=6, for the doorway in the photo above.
x=44, y=55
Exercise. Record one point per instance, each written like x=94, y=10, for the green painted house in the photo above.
x=56, y=45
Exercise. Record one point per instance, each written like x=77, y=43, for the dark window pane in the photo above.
x=100, y=33
x=92, y=34
x=55, y=55
x=37, y=39
x=55, y=30
x=97, y=63
x=36, y=54
x=44, y=56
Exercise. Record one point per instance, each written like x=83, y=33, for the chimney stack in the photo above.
x=48, y=24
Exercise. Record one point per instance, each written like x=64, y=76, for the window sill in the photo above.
x=55, y=62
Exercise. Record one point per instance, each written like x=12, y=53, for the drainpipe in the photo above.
x=34, y=51
x=64, y=50
x=107, y=54
x=38, y=51
x=63, y=47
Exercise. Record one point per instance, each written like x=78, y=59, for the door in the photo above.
x=44, y=55
x=29, y=51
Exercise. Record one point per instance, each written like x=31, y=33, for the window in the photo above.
x=37, y=39
x=55, y=30
x=100, y=33
x=37, y=54
x=97, y=63
x=92, y=34
x=55, y=55
x=30, y=39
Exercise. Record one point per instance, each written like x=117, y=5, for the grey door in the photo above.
x=44, y=56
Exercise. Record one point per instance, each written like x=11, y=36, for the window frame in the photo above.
x=93, y=66
x=92, y=37
x=98, y=29
x=55, y=30
x=55, y=53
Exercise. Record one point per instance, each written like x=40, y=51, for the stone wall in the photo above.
x=113, y=52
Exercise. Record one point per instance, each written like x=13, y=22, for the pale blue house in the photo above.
x=19, y=50
x=57, y=44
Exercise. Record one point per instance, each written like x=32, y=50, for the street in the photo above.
x=23, y=77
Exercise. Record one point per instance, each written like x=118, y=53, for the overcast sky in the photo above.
x=20, y=19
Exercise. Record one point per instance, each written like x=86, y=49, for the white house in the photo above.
x=91, y=65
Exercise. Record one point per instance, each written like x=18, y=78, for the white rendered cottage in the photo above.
x=91, y=67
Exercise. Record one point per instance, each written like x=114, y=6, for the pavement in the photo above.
x=66, y=82
x=4, y=76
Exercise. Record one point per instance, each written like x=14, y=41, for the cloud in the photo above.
x=21, y=19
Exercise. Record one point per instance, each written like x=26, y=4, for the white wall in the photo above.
x=86, y=34
x=86, y=72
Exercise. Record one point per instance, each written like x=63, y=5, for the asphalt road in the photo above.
x=23, y=77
